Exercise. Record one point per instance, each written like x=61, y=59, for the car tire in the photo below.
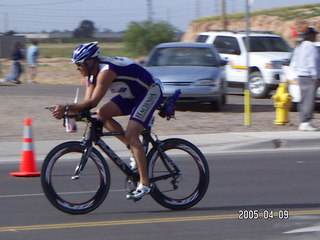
x=217, y=105
x=257, y=86
x=224, y=99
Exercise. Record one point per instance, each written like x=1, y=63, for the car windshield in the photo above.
x=184, y=56
x=268, y=44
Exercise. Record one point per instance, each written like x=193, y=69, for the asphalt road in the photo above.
x=272, y=183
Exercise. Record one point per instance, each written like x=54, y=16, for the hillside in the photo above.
x=279, y=20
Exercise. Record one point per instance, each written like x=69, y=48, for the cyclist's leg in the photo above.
x=116, y=107
x=143, y=110
x=133, y=132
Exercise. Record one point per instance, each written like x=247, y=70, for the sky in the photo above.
x=66, y=15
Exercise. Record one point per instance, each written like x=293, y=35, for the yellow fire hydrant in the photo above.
x=282, y=103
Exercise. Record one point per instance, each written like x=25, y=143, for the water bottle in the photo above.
x=71, y=125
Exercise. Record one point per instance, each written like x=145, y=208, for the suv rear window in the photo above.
x=228, y=45
x=202, y=38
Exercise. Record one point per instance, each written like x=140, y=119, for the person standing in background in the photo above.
x=16, y=67
x=32, y=57
x=306, y=63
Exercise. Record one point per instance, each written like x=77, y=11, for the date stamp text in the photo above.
x=254, y=214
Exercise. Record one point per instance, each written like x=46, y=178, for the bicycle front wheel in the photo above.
x=179, y=174
x=75, y=194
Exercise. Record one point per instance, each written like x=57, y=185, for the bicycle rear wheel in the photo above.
x=71, y=194
x=183, y=187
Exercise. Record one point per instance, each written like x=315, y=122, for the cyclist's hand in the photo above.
x=58, y=110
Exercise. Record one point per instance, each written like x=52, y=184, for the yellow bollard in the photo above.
x=282, y=103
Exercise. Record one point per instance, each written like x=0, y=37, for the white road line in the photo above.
x=305, y=230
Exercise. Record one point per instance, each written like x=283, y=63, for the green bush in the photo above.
x=141, y=37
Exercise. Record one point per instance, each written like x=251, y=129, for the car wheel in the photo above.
x=224, y=99
x=216, y=106
x=257, y=86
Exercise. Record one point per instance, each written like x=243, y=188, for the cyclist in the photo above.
x=139, y=95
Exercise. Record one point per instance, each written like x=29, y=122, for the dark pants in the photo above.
x=308, y=88
x=16, y=70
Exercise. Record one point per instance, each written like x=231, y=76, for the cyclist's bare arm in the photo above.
x=93, y=95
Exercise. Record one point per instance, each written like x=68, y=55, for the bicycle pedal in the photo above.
x=131, y=197
x=130, y=185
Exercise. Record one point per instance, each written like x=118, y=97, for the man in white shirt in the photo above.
x=306, y=64
x=32, y=55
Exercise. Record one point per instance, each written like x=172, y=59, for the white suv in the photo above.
x=268, y=51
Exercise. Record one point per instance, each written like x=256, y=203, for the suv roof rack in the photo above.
x=239, y=31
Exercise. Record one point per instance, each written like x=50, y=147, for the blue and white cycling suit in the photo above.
x=139, y=93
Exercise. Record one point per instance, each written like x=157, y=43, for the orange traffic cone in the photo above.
x=28, y=164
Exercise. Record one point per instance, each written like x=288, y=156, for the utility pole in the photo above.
x=149, y=6
x=223, y=15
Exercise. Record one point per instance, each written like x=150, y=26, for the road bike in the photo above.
x=75, y=176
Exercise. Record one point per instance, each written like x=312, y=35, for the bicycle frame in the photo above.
x=92, y=137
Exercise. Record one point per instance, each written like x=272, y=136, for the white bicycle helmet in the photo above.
x=85, y=52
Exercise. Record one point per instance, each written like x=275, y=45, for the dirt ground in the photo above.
x=50, y=70
x=57, y=82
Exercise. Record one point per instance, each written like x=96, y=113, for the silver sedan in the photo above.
x=194, y=68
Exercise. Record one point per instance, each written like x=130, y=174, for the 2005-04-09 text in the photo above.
x=263, y=214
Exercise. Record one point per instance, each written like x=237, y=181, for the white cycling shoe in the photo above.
x=133, y=164
x=140, y=192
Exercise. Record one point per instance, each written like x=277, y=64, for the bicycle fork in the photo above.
x=84, y=159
